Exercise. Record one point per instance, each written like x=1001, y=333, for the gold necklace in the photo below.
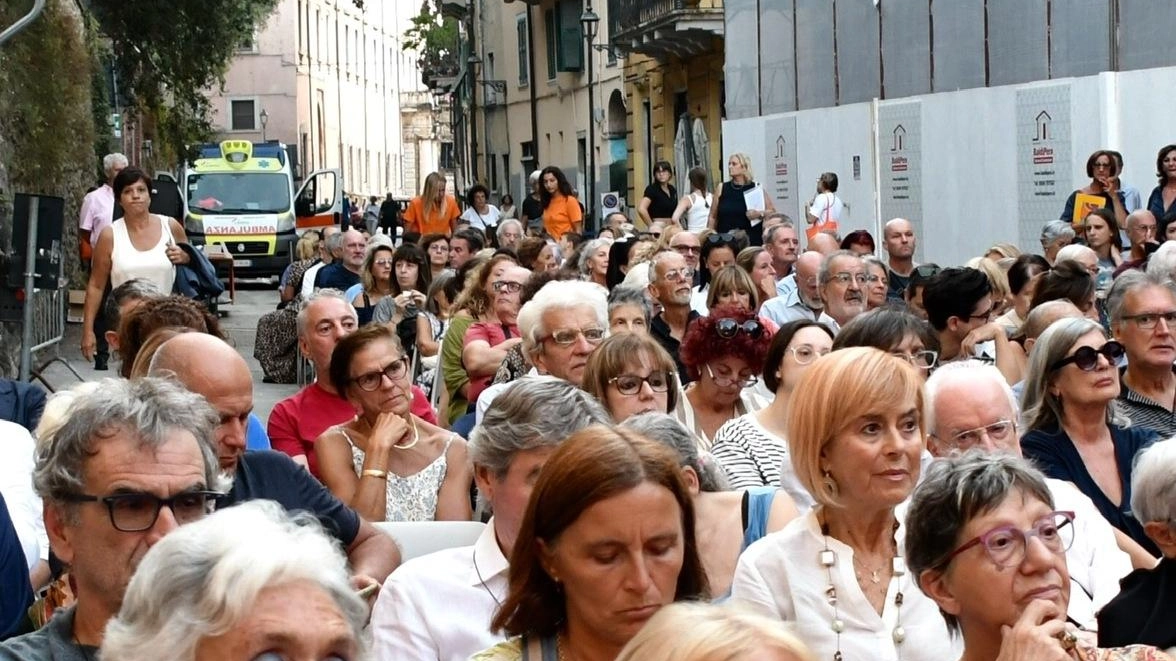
x=416, y=437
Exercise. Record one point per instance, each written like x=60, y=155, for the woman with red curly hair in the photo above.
x=723, y=353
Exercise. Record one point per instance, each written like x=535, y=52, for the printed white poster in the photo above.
x=1043, y=157
x=900, y=149
x=780, y=153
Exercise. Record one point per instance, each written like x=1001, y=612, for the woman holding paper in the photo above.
x=1101, y=193
x=741, y=204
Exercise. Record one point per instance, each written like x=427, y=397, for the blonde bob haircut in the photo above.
x=619, y=353
x=833, y=394
x=688, y=631
x=745, y=163
x=732, y=280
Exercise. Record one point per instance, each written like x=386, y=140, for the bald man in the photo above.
x=823, y=243
x=804, y=300
x=206, y=365
x=898, y=235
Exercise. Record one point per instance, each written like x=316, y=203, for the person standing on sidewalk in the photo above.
x=96, y=214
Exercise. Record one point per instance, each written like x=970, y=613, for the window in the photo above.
x=524, y=52
x=570, y=36
x=549, y=30
x=447, y=155
x=242, y=115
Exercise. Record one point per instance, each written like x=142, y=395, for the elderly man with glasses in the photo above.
x=669, y=284
x=1142, y=310
x=131, y=461
x=969, y=405
x=841, y=283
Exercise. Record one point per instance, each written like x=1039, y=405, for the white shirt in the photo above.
x=16, y=484
x=826, y=207
x=308, y=279
x=488, y=221
x=699, y=212
x=698, y=299
x=128, y=262
x=824, y=318
x=439, y=606
x=1095, y=561
x=781, y=576
x=97, y=212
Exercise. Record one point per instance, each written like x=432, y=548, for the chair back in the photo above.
x=417, y=538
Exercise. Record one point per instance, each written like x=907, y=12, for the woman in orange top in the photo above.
x=561, y=209
x=433, y=212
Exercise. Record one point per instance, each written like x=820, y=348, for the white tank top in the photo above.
x=698, y=213
x=128, y=263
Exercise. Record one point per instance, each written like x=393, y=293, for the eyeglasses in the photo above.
x=924, y=359
x=1148, y=320
x=1086, y=358
x=648, y=235
x=805, y=354
x=438, y=247
x=724, y=237
x=507, y=286
x=1000, y=430
x=875, y=279
x=136, y=512
x=845, y=277
x=684, y=273
x=733, y=380
x=728, y=328
x=986, y=315
x=688, y=250
x=383, y=262
x=567, y=336
x=1006, y=545
x=927, y=271
x=630, y=384
x=371, y=381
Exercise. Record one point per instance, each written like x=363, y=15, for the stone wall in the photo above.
x=47, y=134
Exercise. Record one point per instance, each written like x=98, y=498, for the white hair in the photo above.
x=1153, y=491
x=971, y=372
x=112, y=161
x=559, y=295
x=204, y=578
x=1162, y=263
x=502, y=227
x=1074, y=251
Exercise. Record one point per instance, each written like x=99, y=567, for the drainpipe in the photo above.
x=38, y=7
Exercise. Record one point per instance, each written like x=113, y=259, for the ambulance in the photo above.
x=240, y=194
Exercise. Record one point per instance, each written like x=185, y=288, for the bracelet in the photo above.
x=371, y=472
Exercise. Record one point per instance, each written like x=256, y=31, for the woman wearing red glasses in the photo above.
x=723, y=354
x=1075, y=432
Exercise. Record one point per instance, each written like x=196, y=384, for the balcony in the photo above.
x=660, y=28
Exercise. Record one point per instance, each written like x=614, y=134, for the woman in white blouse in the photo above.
x=837, y=574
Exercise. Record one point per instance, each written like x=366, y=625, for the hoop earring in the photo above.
x=828, y=483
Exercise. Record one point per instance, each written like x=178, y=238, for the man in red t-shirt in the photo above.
x=297, y=421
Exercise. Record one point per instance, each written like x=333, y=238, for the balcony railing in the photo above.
x=661, y=27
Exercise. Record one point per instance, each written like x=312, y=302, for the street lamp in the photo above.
x=264, y=121
x=589, y=21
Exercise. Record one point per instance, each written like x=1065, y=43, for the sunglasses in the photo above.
x=728, y=328
x=725, y=237
x=927, y=270
x=1086, y=358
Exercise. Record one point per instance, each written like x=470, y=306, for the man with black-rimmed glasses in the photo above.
x=131, y=461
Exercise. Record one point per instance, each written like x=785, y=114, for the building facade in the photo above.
x=330, y=80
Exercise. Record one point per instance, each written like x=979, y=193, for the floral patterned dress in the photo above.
x=410, y=498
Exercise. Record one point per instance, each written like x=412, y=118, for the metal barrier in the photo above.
x=49, y=310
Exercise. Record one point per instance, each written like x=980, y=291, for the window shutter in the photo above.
x=571, y=37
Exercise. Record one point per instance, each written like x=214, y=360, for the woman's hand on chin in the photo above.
x=1036, y=636
x=389, y=429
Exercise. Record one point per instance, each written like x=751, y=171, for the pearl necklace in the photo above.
x=828, y=559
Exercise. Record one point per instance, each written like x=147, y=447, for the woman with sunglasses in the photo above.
x=375, y=281
x=753, y=447
x=723, y=354
x=1103, y=169
x=386, y=463
x=986, y=543
x=1075, y=432
x=730, y=210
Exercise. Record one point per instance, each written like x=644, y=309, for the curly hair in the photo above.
x=702, y=343
x=162, y=312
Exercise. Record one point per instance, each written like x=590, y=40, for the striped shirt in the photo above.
x=1144, y=411
x=749, y=453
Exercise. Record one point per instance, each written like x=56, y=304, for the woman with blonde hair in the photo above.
x=434, y=211
x=729, y=211
x=629, y=374
x=998, y=279
x=709, y=632
x=305, y=253
x=731, y=285
x=757, y=262
x=855, y=438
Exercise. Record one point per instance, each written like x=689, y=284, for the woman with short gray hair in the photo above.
x=250, y=582
x=734, y=519
x=1145, y=608
x=985, y=542
x=1055, y=235
x=1074, y=430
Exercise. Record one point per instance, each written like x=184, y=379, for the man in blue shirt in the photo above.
x=343, y=274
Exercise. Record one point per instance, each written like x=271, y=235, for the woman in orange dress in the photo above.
x=434, y=211
x=561, y=209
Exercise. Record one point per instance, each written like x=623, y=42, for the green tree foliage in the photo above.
x=168, y=53
x=434, y=37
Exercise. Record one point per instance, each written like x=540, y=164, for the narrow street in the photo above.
x=240, y=323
